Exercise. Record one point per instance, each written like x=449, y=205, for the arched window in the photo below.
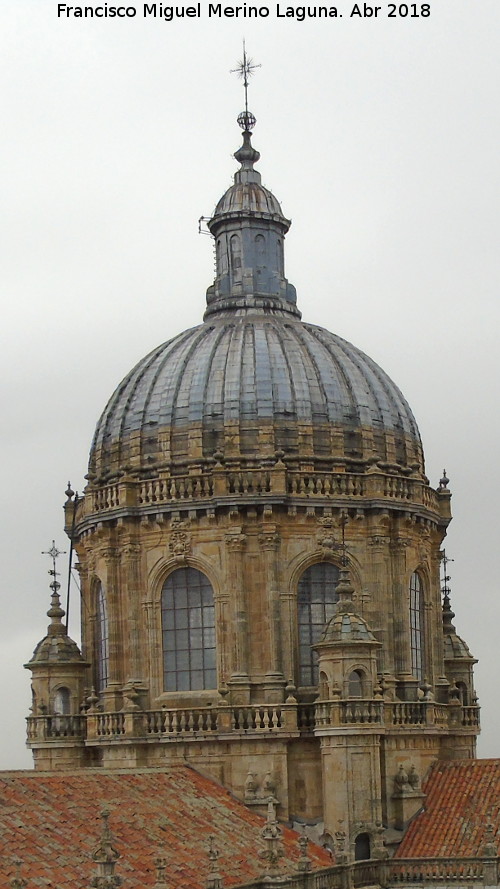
x=62, y=702
x=235, y=249
x=417, y=626
x=316, y=604
x=323, y=687
x=188, y=623
x=101, y=640
x=356, y=684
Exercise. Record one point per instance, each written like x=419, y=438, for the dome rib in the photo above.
x=364, y=412
x=298, y=373
x=210, y=354
x=248, y=403
x=263, y=378
x=282, y=379
x=214, y=403
x=317, y=407
x=233, y=374
x=103, y=429
x=342, y=398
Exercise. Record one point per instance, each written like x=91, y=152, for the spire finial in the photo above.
x=246, y=155
x=304, y=863
x=214, y=880
x=448, y=614
x=444, y=481
x=55, y=612
x=18, y=882
x=245, y=69
x=271, y=833
x=160, y=864
x=106, y=857
x=53, y=552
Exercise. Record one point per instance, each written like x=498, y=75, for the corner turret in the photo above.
x=58, y=671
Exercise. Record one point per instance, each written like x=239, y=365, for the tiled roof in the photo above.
x=52, y=823
x=462, y=798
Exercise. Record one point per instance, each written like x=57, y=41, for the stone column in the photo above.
x=401, y=606
x=154, y=648
x=379, y=583
x=111, y=695
x=274, y=684
x=239, y=682
x=288, y=606
x=83, y=573
x=130, y=585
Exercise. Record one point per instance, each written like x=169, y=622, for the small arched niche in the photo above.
x=362, y=850
x=324, y=692
x=356, y=684
x=62, y=701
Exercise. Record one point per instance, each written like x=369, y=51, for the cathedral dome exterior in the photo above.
x=218, y=383
x=259, y=553
x=254, y=380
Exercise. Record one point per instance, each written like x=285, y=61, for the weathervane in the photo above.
x=53, y=552
x=446, y=577
x=245, y=69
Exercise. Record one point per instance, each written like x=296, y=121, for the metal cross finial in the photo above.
x=446, y=577
x=245, y=69
x=53, y=552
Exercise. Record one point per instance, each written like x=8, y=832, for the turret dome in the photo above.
x=250, y=197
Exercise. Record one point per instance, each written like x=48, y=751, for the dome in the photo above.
x=254, y=380
x=250, y=197
x=217, y=383
x=346, y=628
x=56, y=647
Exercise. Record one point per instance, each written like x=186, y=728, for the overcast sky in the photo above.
x=380, y=136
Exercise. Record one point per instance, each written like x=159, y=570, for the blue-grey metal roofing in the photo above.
x=255, y=368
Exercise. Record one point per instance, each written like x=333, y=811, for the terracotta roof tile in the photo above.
x=51, y=821
x=462, y=798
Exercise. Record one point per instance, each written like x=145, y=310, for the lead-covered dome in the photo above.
x=253, y=385
x=254, y=381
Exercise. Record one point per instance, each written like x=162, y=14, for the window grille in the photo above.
x=188, y=625
x=417, y=626
x=316, y=604
x=101, y=640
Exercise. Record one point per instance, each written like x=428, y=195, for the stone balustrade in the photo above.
x=393, y=872
x=470, y=716
x=354, y=711
x=220, y=483
x=54, y=728
x=109, y=724
x=203, y=722
x=175, y=722
x=402, y=871
x=407, y=713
